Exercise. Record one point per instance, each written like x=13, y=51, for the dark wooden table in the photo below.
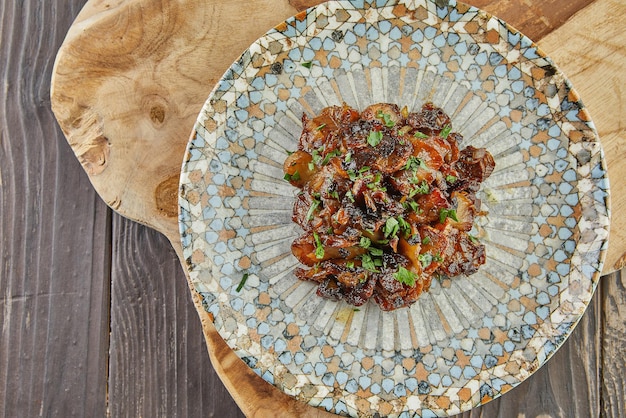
x=95, y=313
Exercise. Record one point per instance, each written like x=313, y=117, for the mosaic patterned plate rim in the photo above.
x=469, y=339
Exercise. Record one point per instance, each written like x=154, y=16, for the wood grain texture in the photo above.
x=56, y=263
x=535, y=19
x=54, y=231
x=574, y=367
x=158, y=365
x=157, y=60
x=613, y=346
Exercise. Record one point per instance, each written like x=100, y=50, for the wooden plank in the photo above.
x=535, y=19
x=54, y=235
x=158, y=364
x=613, y=345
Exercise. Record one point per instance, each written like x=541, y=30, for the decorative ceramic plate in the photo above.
x=468, y=339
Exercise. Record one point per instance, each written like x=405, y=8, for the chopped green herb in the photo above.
x=420, y=135
x=391, y=227
x=365, y=242
x=375, y=184
x=356, y=309
x=445, y=131
x=451, y=178
x=348, y=157
x=426, y=240
x=316, y=154
x=350, y=196
x=306, y=64
x=334, y=194
x=295, y=176
x=425, y=259
x=244, y=278
x=311, y=166
x=412, y=205
x=368, y=263
x=350, y=264
x=414, y=164
x=437, y=258
x=319, y=128
x=447, y=213
x=374, y=138
x=422, y=188
x=330, y=155
x=312, y=208
x=375, y=251
x=473, y=238
x=386, y=117
x=405, y=227
x=405, y=276
x=319, y=248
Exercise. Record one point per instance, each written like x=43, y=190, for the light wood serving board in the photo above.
x=132, y=75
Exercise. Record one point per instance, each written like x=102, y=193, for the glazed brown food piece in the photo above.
x=386, y=202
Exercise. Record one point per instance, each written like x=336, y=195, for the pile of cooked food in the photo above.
x=387, y=201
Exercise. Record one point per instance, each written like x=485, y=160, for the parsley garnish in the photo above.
x=411, y=204
x=314, y=205
x=295, y=176
x=242, y=282
x=447, y=213
x=450, y=178
x=330, y=155
x=319, y=128
x=422, y=188
x=317, y=158
x=405, y=227
x=319, y=248
x=425, y=259
x=306, y=64
x=420, y=135
x=391, y=227
x=426, y=240
x=405, y=276
x=414, y=163
x=368, y=263
x=386, y=117
x=374, y=138
x=445, y=131
x=365, y=242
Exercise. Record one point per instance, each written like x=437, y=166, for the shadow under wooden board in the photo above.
x=132, y=75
